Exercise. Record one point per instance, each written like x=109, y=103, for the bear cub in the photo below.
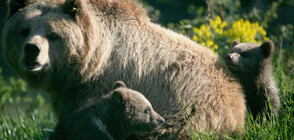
x=251, y=64
x=115, y=116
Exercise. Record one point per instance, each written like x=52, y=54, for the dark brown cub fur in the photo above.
x=116, y=116
x=251, y=64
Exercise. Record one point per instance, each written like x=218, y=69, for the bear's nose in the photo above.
x=31, y=50
x=161, y=120
x=229, y=57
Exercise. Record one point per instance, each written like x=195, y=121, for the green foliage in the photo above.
x=12, y=91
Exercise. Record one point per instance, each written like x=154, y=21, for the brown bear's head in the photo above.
x=42, y=38
x=138, y=114
x=247, y=58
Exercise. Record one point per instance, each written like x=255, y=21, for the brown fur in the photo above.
x=105, y=41
x=115, y=116
x=251, y=64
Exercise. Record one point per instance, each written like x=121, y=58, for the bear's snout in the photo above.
x=31, y=51
x=229, y=58
x=158, y=119
x=161, y=120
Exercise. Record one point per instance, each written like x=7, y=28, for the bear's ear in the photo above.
x=119, y=96
x=235, y=42
x=268, y=48
x=17, y=5
x=74, y=8
x=119, y=84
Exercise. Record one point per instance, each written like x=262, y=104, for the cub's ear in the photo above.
x=119, y=84
x=268, y=48
x=119, y=96
x=16, y=5
x=75, y=8
x=235, y=42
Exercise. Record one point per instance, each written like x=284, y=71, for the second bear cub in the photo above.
x=116, y=116
x=251, y=64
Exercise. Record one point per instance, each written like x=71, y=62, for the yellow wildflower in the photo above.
x=195, y=38
x=209, y=43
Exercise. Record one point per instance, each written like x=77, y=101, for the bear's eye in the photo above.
x=53, y=36
x=147, y=111
x=25, y=32
x=244, y=54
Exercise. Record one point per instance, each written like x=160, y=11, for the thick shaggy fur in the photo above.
x=251, y=64
x=115, y=116
x=88, y=45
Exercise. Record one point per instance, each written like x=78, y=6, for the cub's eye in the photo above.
x=244, y=54
x=25, y=32
x=53, y=36
x=147, y=111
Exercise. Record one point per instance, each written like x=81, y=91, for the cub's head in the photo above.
x=249, y=57
x=42, y=38
x=138, y=114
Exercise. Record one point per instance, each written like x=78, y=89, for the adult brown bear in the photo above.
x=75, y=50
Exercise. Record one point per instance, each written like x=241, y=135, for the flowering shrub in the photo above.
x=217, y=33
x=206, y=35
x=245, y=31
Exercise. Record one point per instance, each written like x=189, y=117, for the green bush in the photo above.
x=14, y=93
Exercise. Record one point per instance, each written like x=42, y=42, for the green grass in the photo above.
x=21, y=125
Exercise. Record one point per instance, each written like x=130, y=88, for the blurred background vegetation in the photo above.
x=212, y=23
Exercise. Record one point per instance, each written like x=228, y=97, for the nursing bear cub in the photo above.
x=115, y=116
x=75, y=50
x=251, y=64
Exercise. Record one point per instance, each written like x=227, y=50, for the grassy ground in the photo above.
x=20, y=123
